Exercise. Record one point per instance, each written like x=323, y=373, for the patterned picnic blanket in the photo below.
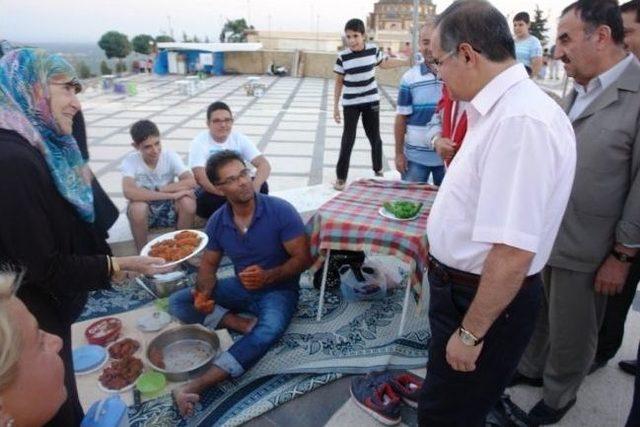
x=351, y=338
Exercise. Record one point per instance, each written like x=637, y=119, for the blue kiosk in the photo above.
x=191, y=58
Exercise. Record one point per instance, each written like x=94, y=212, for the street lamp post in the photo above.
x=269, y=32
x=317, y=31
x=414, y=35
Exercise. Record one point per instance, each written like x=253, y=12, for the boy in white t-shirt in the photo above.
x=149, y=183
x=221, y=137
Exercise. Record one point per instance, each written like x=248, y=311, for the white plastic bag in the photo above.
x=364, y=282
x=395, y=271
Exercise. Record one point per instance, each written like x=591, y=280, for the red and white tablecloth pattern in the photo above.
x=351, y=221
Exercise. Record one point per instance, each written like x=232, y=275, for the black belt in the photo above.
x=451, y=275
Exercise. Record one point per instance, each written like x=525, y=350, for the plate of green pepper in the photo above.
x=400, y=210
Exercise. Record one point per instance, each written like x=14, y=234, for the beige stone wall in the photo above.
x=321, y=65
x=317, y=64
x=292, y=40
x=256, y=62
x=312, y=64
x=390, y=77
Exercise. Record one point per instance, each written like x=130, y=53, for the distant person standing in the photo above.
x=554, y=64
x=528, y=47
x=418, y=97
x=355, y=72
x=545, y=64
x=406, y=50
x=149, y=65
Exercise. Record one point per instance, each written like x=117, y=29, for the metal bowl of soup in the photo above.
x=184, y=352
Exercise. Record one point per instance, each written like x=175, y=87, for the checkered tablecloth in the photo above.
x=351, y=221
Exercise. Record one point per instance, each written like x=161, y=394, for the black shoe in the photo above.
x=596, y=365
x=518, y=379
x=505, y=413
x=541, y=414
x=629, y=366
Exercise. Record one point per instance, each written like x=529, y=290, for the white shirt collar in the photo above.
x=498, y=86
x=606, y=79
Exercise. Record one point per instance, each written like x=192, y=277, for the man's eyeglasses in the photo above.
x=438, y=62
x=435, y=62
x=244, y=173
x=226, y=121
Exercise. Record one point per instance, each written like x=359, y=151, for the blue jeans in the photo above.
x=417, y=172
x=274, y=309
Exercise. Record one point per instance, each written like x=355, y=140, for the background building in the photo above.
x=391, y=21
x=297, y=40
x=389, y=25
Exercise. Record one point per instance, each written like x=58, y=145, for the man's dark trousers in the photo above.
x=634, y=414
x=452, y=398
x=612, y=329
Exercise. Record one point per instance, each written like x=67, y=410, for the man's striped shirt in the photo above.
x=358, y=69
x=418, y=97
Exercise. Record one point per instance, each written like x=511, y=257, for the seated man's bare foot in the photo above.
x=186, y=401
x=237, y=323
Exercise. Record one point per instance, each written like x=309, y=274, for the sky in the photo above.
x=87, y=20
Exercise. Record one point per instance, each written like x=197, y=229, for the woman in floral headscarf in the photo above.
x=47, y=216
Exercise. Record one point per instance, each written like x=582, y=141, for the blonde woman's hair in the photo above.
x=10, y=338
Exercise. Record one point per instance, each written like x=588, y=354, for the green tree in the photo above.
x=195, y=39
x=185, y=38
x=164, y=39
x=115, y=45
x=539, y=26
x=104, y=68
x=142, y=43
x=206, y=39
x=237, y=28
x=83, y=70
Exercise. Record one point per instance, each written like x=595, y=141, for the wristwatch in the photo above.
x=622, y=257
x=432, y=142
x=468, y=338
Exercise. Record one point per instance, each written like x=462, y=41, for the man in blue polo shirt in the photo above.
x=418, y=97
x=265, y=239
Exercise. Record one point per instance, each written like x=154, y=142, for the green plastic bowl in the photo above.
x=151, y=383
x=162, y=304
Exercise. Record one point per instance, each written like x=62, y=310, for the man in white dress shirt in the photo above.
x=495, y=218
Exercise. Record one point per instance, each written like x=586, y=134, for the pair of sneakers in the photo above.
x=380, y=394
